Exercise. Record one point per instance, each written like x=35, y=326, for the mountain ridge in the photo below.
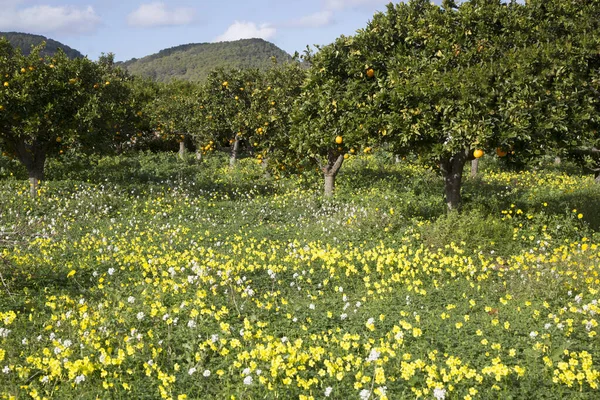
x=193, y=61
x=25, y=41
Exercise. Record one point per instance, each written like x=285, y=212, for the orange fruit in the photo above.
x=370, y=73
x=478, y=153
x=500, y=152
x=339, y=140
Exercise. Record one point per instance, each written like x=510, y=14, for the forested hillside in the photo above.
x=194, y=61
x=25, y=41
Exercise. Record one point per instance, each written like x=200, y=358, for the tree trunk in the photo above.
x=33, y=157
x=265, y=166
x=452, y=169
x=398, y=159
x=182, y=150
x=557, y=161
x=474, y=168
x=330, y=171
x=198, y=155
x=234, y=151
x=597, y=180
x=329, y=185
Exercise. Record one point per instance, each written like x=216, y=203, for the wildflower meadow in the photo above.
x=143, y=277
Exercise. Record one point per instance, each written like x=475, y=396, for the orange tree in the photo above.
x=46, y=103
x=269, y=117
x=112, y=117
x=224, y=102
x=331, y=117
x=174, y=111
x=444, y=81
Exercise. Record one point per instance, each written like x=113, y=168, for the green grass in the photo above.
x=117, y=278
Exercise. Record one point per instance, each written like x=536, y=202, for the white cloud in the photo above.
x=316, y=20
x=47, y=19
x=247, y=30
x=341, y=4
x=157, y=14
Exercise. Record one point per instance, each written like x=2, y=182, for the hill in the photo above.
x=194, y=61
x=25, y=41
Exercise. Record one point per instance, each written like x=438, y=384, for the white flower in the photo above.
x=370, y=321
x=439, y=394
x=533, y=334
x=246, y=371
x=365, y=394
x=79, y=379
x=150, y=362
x=111, y=271
x=140, y=316
x=328, y=391
x=311, y=306
x=191, y=323
x=206, y=373
x=191, y=371
x=45, y=379
x=248, y=380
x=131, y=299
x=373, y=355
x=578, y=299
x=6, y=369
x=284, y=339
x=214, y=338
x=344, y=316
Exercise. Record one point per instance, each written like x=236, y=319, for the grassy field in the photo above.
x=143, y=277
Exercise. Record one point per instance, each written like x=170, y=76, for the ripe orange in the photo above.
x=23, y=70
x=478, y=153
x=339, y=140
x=1, y=108
x=5, y=84
x=58, y=139
x=500, y=152
x=370, y=73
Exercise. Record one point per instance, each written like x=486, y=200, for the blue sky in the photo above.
x=139, y=28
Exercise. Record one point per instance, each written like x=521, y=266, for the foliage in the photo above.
x=441, y=81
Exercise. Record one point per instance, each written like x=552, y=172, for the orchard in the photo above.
x=308, y=231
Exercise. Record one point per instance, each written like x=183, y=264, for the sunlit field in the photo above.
x=147, y=277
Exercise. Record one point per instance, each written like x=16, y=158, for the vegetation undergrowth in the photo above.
x=145, y=276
